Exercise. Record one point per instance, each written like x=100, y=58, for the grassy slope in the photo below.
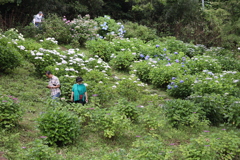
x=31, y=91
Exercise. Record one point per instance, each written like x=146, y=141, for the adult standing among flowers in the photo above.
x=53, y=85
x=37, y=20
x=79, y=92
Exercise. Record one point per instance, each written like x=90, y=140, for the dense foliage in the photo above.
x=124, y=116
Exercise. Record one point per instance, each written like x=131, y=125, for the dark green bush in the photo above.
x=10, y=111
x=184, y=113
x=212, y=105
x=101, y=48
x=228, y=63
x=142, y=70
x=122, y=61
x=54, y=26
x=134, y=30
x=60, y=126
x=181, y=86
x=39, y=150
x=10, y=58
x=128, y=108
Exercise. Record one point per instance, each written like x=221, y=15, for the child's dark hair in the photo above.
x=48, y=72
x=79, y=79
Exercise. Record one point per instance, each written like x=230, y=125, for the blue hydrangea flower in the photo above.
x=175, y=86
x=157, y=46
x=141, y=55
x=164, y=49
x=175, y=52
x=169, y=87
x=177, y=61
x=172, y=83
x=173, y=78
x=181, y=81
x=147, y=57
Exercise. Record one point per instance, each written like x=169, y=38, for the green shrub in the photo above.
x=13, y=33
x=212, y=105
x=101, y=48
x=142, y=70
x=94, y=77
x=181, y=86
x=129, y=109
x=228, y=63
x=130, y=89
x=125, y=44
x=232, y=110
x=109, y=28
x=10, y=111
x=30, y=31
x=122, y=61
x=43, y=58
x=39, y=149
x=10, y=58
x=112, y=123
x=104, y=92
x=54, y=26
x=199, y=63
x=184, y=113
x=83, y=29
x=208, y=82
x=49, y=43
x=221, y=145
x=152, y=117
x=161, y=75
x=148, y=148
x=60, y=126
x=9, y=144
x=134, y=30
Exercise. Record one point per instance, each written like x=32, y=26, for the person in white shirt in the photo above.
x=38, y=19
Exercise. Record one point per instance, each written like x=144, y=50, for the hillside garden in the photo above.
x=149, y=97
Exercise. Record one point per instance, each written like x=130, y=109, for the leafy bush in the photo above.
x=130, y=89
x=221, y=145
x=49, y=43
x=232, y=110
x=10, y=58
x=199, y=63
x=54, y=26
x=9, y=144
x=82, y=29
x=151, y=117
x=212, y=105
x=101, y=48
x=10, y=111
x=184, y=113
x=228, y=63
x=30, y=31
x=161, y=75
x=13, y=33
x=134, y=30
x=129, y=109
x=60, y=126
x=109, y=28
x=104, y=92
x=181, y=86
x=148, y=148
x=122, y=61
x=208, y=82
x=142, y=70
x=110, y=122
x=39, y=149
x=42, y=58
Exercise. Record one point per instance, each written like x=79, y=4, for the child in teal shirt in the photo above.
x=79, y=92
